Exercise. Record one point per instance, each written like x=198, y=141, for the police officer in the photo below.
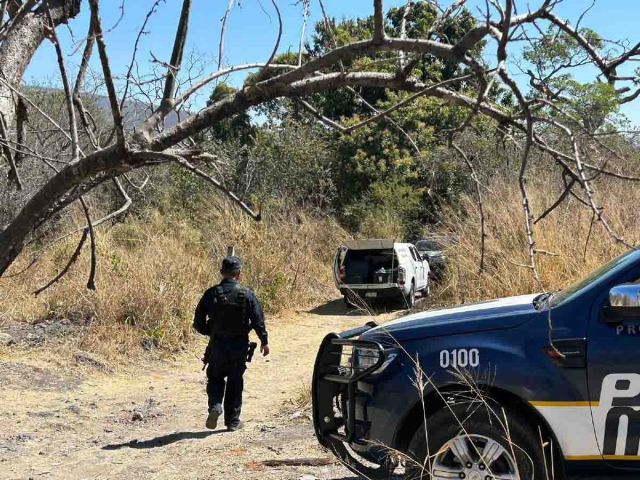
x=227, y=313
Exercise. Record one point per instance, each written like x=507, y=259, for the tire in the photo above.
x=347, y=302
x=410, y=299
x=481, y=430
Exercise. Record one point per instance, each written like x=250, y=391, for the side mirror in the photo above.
x=624, y=301
x=425, y=257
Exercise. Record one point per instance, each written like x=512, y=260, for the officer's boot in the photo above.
x=234, y=427
x=212, y=419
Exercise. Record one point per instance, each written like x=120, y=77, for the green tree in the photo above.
x=238, y=127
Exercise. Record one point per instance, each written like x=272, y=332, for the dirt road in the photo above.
x=61, y=423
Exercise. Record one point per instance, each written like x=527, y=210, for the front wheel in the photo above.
x=484, y=447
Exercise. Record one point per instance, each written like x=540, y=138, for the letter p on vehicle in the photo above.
x=619, y=385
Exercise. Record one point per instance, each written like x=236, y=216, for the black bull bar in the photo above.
x=335, y=380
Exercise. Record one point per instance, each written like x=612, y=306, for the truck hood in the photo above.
x=490, y=315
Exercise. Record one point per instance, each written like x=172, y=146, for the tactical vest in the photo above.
x=228, y=317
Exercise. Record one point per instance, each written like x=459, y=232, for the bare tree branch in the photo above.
x=64, y=271
x=378, y=22
x=183, y=162
x=176, y=55
x=108, y=78
x=222, y=29
x=152, y=10
x=91, y=283
x=305, y=16
x=322, y=118
x=277, y=44
x=559, y=200
x=403, y=33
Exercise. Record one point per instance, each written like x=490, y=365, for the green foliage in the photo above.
x=385, y=211
x=270, y=292
x=295, y=162
x=385, y=179
x=237, y=127
x=187, y=188
x=592, y=103
x=551, y=55
x=555, y=50
x=287, y=58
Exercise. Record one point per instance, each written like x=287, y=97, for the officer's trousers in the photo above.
x=227, y=364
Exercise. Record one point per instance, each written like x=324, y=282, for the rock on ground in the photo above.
x=5, y=339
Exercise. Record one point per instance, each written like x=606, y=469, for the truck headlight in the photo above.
x=364, y=358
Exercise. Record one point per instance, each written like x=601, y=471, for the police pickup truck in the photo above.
x=540, y=386
x=378, y=270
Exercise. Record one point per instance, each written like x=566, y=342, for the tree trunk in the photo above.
x=21, y=44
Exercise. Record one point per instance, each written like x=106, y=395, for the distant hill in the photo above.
x=135, y=112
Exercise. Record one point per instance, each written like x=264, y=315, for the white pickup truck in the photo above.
x=381, y=270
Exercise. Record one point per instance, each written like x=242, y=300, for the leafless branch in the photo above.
x=176, y=55
x=322, y=118
x=305, y=16
x=75, y=148
x=91, y=283
x=141, y=32
x=64, y=271
x=183, y=162
x=108, y=77
x=277, y=44
x=560, y=199
x=222, y=30
x=403, y=32
x=378, y=22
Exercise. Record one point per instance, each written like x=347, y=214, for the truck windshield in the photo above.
x=564, y=294
x=427, y=245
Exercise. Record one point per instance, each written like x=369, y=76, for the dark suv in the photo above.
x=529, y=387
x=435, y=248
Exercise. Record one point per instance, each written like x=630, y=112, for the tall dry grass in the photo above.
x=153, y=268
x=578, y=245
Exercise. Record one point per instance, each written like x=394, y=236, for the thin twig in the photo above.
x=277, y=44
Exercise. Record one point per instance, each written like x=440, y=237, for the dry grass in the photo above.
x=302, y=397
x=152, y=271
x=564, y=233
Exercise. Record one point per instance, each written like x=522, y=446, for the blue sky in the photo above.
x=251, y=32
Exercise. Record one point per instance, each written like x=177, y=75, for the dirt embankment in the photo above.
x=71, y=420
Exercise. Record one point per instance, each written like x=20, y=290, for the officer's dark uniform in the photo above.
x=227, y=313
